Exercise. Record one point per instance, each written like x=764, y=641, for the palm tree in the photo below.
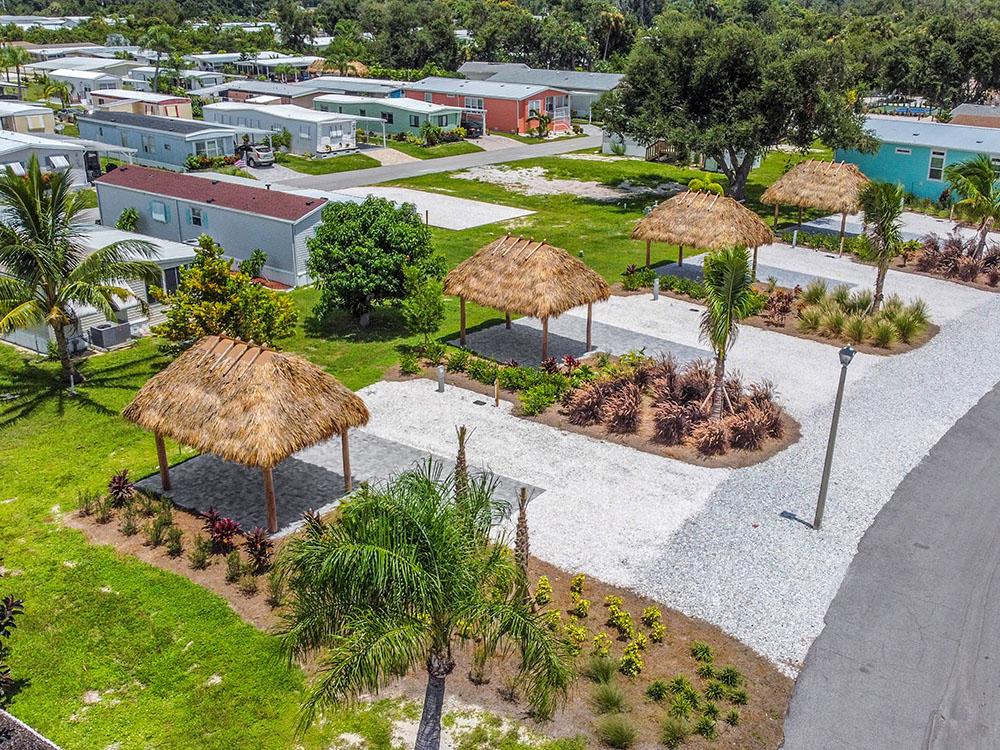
x=882, y=208
x=157, y=38
x=976, y=181
x=47, y=269
x=729, y=299
x=613, y=22
x=17, y=56
x=397, y=579
x=58, y=89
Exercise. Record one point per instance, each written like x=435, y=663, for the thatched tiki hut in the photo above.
x=823, y=185
x=705, y=221
x=525, y=277
x=248, y=404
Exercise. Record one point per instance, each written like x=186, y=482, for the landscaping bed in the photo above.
x=419, y=151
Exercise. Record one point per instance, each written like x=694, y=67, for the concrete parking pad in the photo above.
x=445, y=211
x=915, y=226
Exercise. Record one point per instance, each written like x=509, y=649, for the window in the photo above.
x=387, y=116
x=59, y=162
x=148, y=144
x=534, y=105
x=207, y=148
x=166, y=146
x=936, y=169
x=363, y=112
x=442, y=120
x=36, y=122
x=428, y=97
x=414, y=121
x=100, y=131
x=548, y=104
x=995, y=161
x=15, y=166
x=158, y=209
x=304, y=131
x=474, y=102
x=196, y=217
x=904, y=151
x=171, y=279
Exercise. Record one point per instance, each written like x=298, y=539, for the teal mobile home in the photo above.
x=915, y=153
x=399, y=115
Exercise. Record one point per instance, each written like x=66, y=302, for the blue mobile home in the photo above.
x=915, y=153
x=159, y=141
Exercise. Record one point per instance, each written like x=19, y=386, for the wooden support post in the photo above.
x=161, y=457
x=843, y=228
x=545, y=338
x=800, y=217
x=753, y=272
x=648, y=242
x=776, y=209
x=680, y=255
x=345, y=455
x=272, y=508
x=590, y=323
x=461, y=320
x=506, y=320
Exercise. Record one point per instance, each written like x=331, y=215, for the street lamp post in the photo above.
x=846, y=355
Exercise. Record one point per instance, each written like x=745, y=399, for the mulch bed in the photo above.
x=768, y=689
x=643, y=439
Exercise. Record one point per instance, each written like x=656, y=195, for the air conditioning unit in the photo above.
x=110, y=335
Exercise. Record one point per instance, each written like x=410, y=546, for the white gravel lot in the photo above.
x=722, y=544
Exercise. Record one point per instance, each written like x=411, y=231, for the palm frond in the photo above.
x=728, y=284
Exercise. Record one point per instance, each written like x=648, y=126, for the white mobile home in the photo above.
x=312, y=132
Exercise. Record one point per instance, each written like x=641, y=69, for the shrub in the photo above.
x=146, y=504
x=543, y=591
x=670, y=423
x=702, y=652
x=600, y=668
x=613, y=601
x=608, y=698
x=128, y=219
x=631, y=663
x=810, y=319
x=657, y=632
x=576, y=636
x=634, y=278
x=234, y=566
x=551, y=618
x=840, y=294
x=706, y=671
x=433, y=352
x=779, y=306
x=621, y=620
x=748, y=431
x=657, y=690
x=917, y=310
x=680, y=684
x=200, y=554
x=705, y=726
x=221, y=531
x=259, y=547
x=883, y=333
x=680, y=706
x=640, y=641
x=711, y=438
x=120, y=489
x=623, y=410
x=456, y=360
x=651, y=616
x=681, y=285
x=674, y=732
x=408, y=363
x=711, y=710
x=715, y=690
x=856, y=328
x=602, y=645
x=815, y=292
x=481, y=370
x=275, y=589
x=86, y=501
x=156, y=530
x=585, y=405
x=733, y=718
x=253, y=265
x=128, y=525
x=738, y=697
x=832, y=323
x=175, y=541
x=730, y=677
x=580, y=606
x=247, y=585
x=576, y=584
x=907, y=328
x=616, y=731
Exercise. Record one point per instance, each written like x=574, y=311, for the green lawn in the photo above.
x=345, y=163
x=435, y=152
x=533, y=139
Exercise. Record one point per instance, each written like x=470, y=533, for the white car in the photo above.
x=259, y=155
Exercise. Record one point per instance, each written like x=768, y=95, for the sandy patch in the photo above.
x=534, y=181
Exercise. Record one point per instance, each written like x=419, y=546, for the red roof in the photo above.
x=254, y=200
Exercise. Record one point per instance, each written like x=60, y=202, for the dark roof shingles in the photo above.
x=272, y=203
x=164, y=124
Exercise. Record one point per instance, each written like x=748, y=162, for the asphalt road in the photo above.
x=910, y=655
x=376, y=175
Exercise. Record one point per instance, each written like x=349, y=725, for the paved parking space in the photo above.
x=445, y=211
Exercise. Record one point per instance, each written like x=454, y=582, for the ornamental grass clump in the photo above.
x=600, y=668
x=608, y=698
x=616, y=731
x=674, y=732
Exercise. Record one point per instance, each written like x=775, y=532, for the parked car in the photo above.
x=472, y=128
x=256, y=154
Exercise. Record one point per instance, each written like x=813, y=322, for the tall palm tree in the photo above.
x=59, y=89
x=46, y=269
x=976, y=181
x=729, y=299
x=882, y=209
x=17, y=57
x=157, y=39
x=613, y=22
x=397, y=579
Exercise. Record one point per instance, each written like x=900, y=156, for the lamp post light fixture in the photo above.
x=846, y=355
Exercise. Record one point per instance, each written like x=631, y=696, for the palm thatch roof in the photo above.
x=705, y=221
x=526, y=277
x=824, y=185
x=322, y=67
x=245, y=403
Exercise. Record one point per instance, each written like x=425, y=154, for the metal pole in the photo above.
x=825, y=483
x=656, y=288
x=440, y=377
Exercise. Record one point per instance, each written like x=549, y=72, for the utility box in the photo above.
x=110, y=335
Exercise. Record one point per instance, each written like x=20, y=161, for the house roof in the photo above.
x=473, y=67
x=567, y=80
x=935, y=134
x=178, y=125
x=186, y=73
x=245, y=403
x=270, y=203
x=71, y=62
x=268, y=87
x=301, y=61
x=81, y=75
x=401, y=103
x=467, y=87
x=10, y=141
x=13, y=109
x=140, y=96
x=281, y=111
x=168, y=252
x=349, y=84
x=982, y=115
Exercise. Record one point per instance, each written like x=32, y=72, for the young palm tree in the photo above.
x=729, y=299
x=157, y=38
x=882, y=207
x=397, y=578
x=46, y=269
x=976, y=181
x=17, y=57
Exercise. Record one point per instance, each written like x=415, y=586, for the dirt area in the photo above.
x=897, y=265
x=761, y=719
x=534, y=181
x=642, y=440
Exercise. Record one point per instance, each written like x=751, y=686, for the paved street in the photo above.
x=910, y=654
x=430, y=166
